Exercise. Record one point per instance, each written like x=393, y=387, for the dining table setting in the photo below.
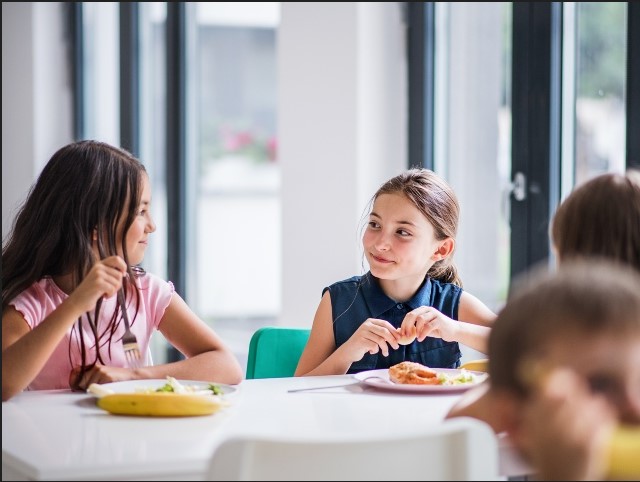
x=66, y=435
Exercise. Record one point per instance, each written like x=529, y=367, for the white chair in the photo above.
x=456, y=449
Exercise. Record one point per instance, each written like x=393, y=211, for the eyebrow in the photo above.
x=409, y=223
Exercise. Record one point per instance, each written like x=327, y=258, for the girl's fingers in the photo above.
x=412, y=319
x=380, y=344
x=424, y=325
x=377, y=342
x=373, y=348
x=385, y=333
x=115, y=262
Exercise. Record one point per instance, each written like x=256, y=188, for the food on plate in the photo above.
x=406, y=339
x=172, y=399
x=413, y=373
x=160, y=404
x=174, y=386
x=98, y=390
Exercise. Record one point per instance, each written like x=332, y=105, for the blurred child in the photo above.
x=410, y=305
x=600, y=217
x=564, y=367
x=76, y=241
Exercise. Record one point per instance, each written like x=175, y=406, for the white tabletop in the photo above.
x=60, y=435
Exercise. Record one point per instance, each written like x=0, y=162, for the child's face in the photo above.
x=143, y=225
x=399, y=242
x=609, y=362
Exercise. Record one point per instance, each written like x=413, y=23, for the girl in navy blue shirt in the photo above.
x=410, y=305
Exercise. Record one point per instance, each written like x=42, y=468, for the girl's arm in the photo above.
x=475, y=320
x=320, y=356
x=207, y=356
x=25, y=351
x=474, y=311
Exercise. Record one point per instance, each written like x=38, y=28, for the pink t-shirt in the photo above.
x=40, y=299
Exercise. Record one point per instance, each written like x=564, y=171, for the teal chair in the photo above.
x=274, y=351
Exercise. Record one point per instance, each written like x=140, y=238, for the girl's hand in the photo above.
x=104, y=279
x=102, y=374
x=427, y=321
x=372, y=336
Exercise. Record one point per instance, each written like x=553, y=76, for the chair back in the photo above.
x=274, y=351
x=457, y=449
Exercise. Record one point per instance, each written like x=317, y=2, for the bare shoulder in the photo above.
x=472, y=310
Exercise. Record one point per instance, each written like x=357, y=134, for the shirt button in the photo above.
x=399, y=306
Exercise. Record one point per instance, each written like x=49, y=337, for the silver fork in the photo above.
x=129, y=340
x=295, y=390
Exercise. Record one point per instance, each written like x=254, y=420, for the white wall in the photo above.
x=342, y=124
x=36, y=96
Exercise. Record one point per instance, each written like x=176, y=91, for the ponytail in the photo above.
x=445, y=271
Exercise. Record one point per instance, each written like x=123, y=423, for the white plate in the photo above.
x=133, y=386
x=380, y=379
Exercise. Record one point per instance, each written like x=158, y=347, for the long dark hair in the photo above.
x=437, y=201
x=86, y=187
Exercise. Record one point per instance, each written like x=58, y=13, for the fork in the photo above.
x=129, y=340
x=296, y=390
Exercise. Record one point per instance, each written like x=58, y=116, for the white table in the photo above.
x=60, y=435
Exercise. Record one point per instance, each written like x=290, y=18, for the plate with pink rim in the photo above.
x=451, y=380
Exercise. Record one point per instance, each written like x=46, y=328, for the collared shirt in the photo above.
x=358, y=298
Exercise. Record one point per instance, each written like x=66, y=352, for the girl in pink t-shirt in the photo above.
x=76, y=241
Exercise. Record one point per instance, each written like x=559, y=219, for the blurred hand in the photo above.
x=566, y=429
x=101, y=374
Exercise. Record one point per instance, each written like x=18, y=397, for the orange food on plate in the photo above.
x=413, y=373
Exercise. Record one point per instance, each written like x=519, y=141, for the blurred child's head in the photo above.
x=585, y=317
x=601, y=217
x=437, y=203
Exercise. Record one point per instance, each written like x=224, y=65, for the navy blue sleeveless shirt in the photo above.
x=358, y=298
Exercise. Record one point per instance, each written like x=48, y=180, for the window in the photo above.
x=530, y=99
x=472, y=135
x=600, y=84
x=204, y=73
x=235, y=229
